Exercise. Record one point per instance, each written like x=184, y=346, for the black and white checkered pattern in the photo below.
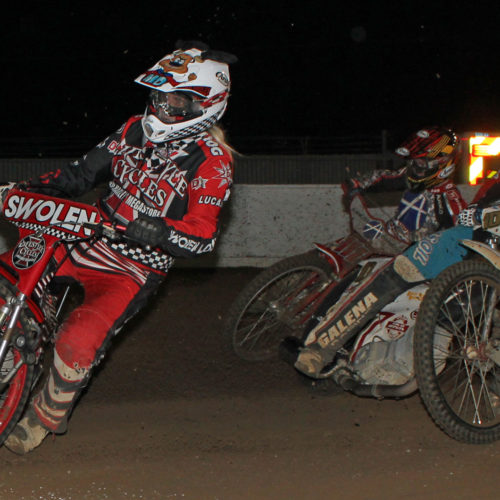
x=153, y=259
x=193, y=129
x=470, y=217
x=52, y=230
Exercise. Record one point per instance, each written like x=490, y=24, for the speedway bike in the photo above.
x=441, y=338
x=33, y=302
x=280, y=306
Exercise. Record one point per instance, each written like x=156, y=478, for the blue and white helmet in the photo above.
x=189, y=92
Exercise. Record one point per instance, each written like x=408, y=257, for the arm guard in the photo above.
x=197, y=231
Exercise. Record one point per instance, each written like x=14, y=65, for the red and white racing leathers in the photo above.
x=185, y=182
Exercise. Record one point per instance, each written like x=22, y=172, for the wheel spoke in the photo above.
x=279, y=305
x=469, y=312
x=456, y=327
x=254, y=330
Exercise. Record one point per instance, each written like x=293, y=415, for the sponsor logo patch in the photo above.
x=397, y=327
x=28, y=252
x=40, y=210
x=350, y=318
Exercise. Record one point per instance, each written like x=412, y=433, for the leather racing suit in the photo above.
x=419, y=213
x=184, y=183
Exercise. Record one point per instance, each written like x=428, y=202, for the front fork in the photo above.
x=9, y=316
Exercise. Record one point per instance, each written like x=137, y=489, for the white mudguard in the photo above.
x=490, y=254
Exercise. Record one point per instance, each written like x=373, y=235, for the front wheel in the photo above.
x=16, y=377
x=457, y=351
x=276, y=304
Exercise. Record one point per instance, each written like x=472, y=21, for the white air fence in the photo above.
x=264, y=223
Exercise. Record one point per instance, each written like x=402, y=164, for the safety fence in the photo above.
x=254, y=169
x=262, y=224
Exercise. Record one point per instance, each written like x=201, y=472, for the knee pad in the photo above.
x=405, y=268
x=81, y=337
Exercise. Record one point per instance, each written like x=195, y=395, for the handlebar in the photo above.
x=114, y=232
x=109, y=230
x=37, y=213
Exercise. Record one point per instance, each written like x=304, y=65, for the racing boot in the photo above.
x=359, y=304
x=27, y=434
x=311, y=360
x=56, y=399
x=50, y=408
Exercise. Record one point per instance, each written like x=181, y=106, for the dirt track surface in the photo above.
x=173, y=414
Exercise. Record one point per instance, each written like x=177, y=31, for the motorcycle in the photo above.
x=276, y=312
x=457, y=341
x=449, y=351
x=33, y=302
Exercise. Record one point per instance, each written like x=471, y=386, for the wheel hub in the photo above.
x=482, y=355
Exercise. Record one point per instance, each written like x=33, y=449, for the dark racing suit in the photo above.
x=185, y=183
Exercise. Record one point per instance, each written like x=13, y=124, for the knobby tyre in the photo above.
x=276, y=304
x=456, y=336
x=14, y=394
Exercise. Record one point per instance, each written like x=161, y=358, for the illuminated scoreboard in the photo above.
x=483, y=158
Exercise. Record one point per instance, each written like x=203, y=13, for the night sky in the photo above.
x=312, y=68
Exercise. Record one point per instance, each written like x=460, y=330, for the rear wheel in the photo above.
x=14, y=390
x=276, y=304
x=457, y=351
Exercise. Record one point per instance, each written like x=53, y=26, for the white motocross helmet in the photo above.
x=190, y=89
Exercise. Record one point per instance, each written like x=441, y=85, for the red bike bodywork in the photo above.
x=42, y=221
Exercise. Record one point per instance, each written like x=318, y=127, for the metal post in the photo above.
x=384, y=148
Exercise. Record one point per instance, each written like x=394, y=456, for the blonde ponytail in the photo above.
x=217, y=132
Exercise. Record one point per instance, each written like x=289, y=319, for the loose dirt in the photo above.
x=172, y=413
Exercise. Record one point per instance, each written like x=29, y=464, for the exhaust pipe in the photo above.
x=290, y=348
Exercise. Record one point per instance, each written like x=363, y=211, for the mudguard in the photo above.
x=490, y=254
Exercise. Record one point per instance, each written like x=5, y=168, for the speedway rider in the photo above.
x=169, y=171
x=431, y=200
x=431, y=203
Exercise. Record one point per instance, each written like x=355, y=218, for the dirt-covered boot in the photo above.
x=27, y=434
x=311, y=361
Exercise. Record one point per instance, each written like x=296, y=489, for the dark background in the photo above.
x=306, y=69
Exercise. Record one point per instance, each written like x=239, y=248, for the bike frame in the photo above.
x=346, y=252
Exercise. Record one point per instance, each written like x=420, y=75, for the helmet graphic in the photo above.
x=432, y=154
x=189, y=91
